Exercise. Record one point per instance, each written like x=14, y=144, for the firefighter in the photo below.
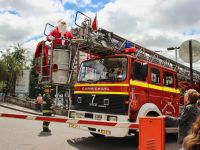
x=111, y=73
x=47, y=107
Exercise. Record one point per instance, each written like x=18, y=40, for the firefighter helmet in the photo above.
x=47, y=88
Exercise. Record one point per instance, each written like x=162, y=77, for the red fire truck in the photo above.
x=123, y=82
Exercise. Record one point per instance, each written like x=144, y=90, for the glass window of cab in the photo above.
x=103, y=69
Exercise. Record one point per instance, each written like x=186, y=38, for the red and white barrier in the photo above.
x=30, y=117
x=148, y=127
x=74, y=121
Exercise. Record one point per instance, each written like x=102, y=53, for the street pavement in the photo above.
x=17, y=134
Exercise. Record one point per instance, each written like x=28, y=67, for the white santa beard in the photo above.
x=62, y=29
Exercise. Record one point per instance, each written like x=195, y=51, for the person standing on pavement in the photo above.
x=188, y=116
x=39, y=102
x=4, y=94
x=47, y=107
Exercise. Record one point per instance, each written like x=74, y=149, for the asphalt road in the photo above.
x=18, y=134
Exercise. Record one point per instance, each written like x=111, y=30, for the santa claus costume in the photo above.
x=58, y=33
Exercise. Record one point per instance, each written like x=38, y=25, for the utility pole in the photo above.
x=190, y=58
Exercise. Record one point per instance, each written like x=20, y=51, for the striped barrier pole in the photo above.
x=72, y=121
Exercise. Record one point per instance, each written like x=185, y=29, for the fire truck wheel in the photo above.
x=152, y=114
x=97, y=135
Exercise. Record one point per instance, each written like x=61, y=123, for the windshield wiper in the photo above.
x=95, y=81
x=91, y=81
x=105, y=80
x=87, y=81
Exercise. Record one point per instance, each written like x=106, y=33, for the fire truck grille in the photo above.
x=111, y=104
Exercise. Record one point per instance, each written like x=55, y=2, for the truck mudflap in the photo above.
x=108, y=128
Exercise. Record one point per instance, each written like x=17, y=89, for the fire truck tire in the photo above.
x=96, y=135
x=152, y=114
x=172, y=135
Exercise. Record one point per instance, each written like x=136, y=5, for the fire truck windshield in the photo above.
x=103, y=70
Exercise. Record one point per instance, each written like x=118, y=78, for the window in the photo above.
x=168, y=79
x=155, y=76
x=103, y=70
x=141, y=71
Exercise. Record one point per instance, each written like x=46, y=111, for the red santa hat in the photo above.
x=61, y=21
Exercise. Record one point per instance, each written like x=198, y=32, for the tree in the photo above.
x=2, y=74
x=12, y=65
x=34, y=81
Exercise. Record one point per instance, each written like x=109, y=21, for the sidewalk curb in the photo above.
x=21, y=110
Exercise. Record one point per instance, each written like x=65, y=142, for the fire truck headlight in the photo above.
x=72, y=114
x=112, y=118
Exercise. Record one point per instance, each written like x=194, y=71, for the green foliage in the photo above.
x=2, y=85
x=34, y=89
x=12, y=64
x=3, y=76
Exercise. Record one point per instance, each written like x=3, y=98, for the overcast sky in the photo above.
x=154, y=24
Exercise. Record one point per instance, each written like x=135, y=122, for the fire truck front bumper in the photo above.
x=113, y=125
